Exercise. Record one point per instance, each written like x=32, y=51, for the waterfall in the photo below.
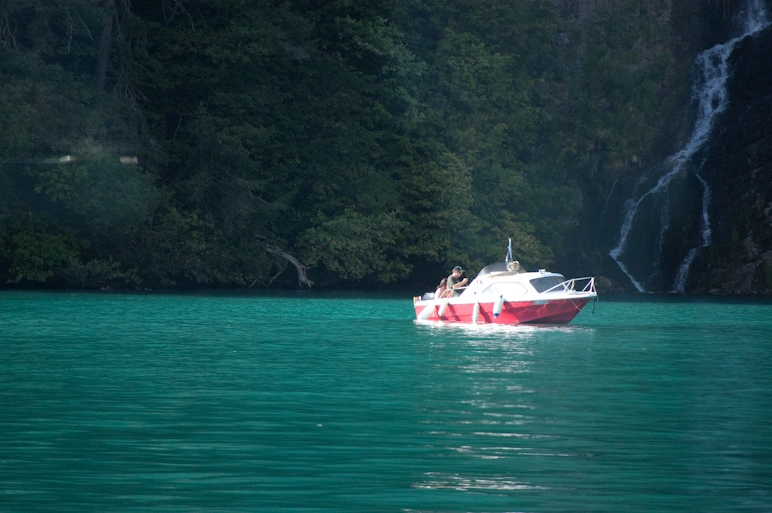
x=679, y=284
x=710, y=94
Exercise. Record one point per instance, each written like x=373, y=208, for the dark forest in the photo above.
x=340, y=144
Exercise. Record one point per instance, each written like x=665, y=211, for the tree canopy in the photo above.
x=260, y=143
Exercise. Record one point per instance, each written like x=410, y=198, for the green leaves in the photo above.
x=38, y=248
x=365, y=140
x=352, y=246
x=98, y=191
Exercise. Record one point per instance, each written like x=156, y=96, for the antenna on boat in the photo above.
x=512, y=264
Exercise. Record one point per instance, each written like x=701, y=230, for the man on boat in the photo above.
x=455, y=283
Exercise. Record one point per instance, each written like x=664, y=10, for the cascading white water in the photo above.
x=679, y=284
x=710, y=93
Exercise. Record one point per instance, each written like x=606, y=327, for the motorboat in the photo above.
x=505, y=293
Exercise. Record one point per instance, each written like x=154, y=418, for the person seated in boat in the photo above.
x=455, y=282
x=442, y=289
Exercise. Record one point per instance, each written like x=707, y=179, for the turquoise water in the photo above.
x=303, y=403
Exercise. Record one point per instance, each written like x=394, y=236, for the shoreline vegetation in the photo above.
x=226, y=144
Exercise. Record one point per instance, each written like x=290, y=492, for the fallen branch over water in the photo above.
x=301, y=269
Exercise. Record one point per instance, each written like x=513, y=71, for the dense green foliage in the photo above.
x=226, y=142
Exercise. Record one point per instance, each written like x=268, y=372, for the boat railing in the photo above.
x=584, y=285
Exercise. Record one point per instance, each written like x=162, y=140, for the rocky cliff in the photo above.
x=738, y=167
x=720, y=188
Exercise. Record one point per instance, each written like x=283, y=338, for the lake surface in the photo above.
x=313, y=403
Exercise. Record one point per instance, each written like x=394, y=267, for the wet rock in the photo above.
x=738, y=168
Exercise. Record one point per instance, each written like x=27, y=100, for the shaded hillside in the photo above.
x=228, y=143
x=666, y=240
x=740, y=173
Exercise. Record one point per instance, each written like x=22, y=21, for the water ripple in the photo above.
x=241, y=403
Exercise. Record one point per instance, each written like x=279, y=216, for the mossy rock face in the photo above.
x=768, y=275
x=738, y=168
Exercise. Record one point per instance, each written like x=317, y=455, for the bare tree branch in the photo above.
x=283, y=268
x=85, y=26
x=301, y=269
x=174, y=9
x=7, y=38
x=104, y=46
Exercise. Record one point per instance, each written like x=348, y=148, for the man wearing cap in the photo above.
x=455, y=282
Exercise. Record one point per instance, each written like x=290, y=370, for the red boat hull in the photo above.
x=554, y=311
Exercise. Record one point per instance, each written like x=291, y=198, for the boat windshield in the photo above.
x=502, y=267
x=546, y=282
x=505, y=289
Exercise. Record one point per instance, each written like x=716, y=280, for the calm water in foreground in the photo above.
x=218, y=403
